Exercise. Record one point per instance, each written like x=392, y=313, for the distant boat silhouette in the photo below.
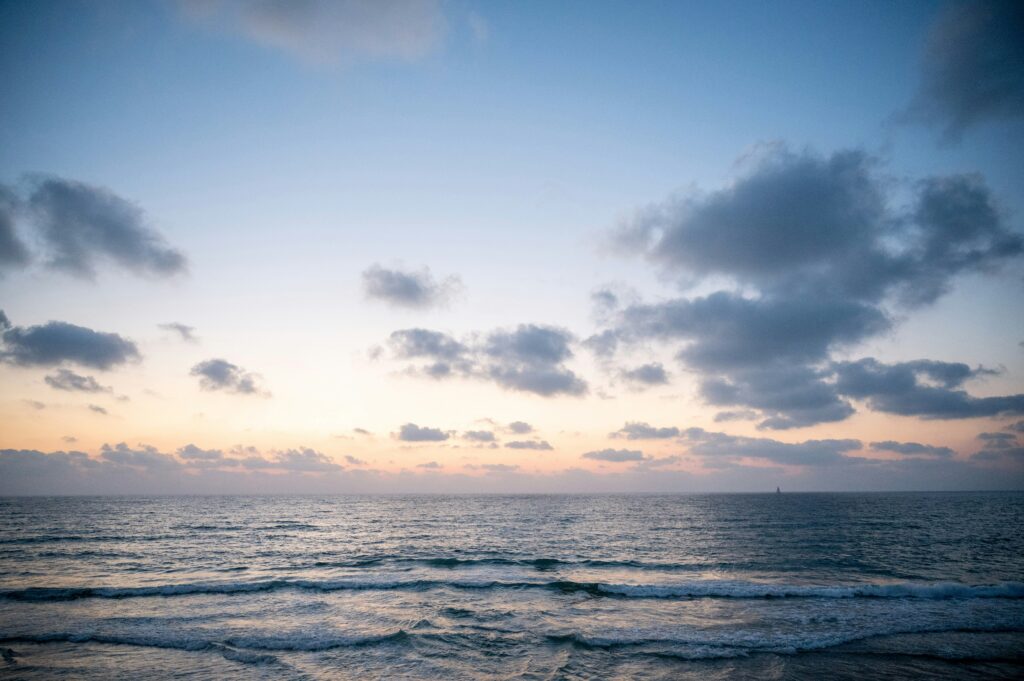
x=778, y=491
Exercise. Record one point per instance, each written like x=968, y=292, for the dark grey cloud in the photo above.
x=529, y=358
x=185, y=332
x=912, y=449
x=808, y=453
x=304, y=460
x=410, y=432
x=615, y=455
x=361, y=431
x=814, y=255
x=5, y=323
x=53, y=343
x=354, y=461
x=65, y=379
x=643, y=431
x=222, y=375
x=646, y=375
x=98, y=409
x=1017, y=427
x=736, y=415
x=539, y=445
x=973, y=67
x=520, y=427
x=1000, y=448
x=924, y=388
x=478, y=436
x=82, y=224
x=13, y=252
x=326, y=32
x=417, y=290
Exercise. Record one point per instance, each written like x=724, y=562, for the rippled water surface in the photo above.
x=532, y=587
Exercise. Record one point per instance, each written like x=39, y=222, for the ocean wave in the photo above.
x=692, y=590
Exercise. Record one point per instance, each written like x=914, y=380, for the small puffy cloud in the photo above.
x=35, y=404
x=646, y=375
x=354, y=461
x=13, y=252
x=912, y=449
x=65, y=379
x=416, y=290
x=330, y=31
x=615, y=455
x=53, y=343
x=539, y=445
x=98, y=409
x=430, y=465
x=184, y=332
x=70, y=439
x=529, y=358
x=998, y=440
x=520, y=427
x=304, y=460
x=144, y=456
x=82, y=224
x=644, y=431
x=410, y=432
x=478, y=436
x=973, y=67
x=222, y=375
x=498, y=467
x=192, y=453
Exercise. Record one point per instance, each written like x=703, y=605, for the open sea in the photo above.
x=772, y=586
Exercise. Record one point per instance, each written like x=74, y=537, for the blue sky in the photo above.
x=284, y=150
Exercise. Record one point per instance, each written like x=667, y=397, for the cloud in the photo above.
x=98, y=409
x=410, y=432
x=52, y=343
x=304, y=459
x=70, y=439
x=416, y=290
x=643, y=431
x=912, y=449
x=1000, y=448
x=186, y=333
x=539, y=445
x=478, y=436
x=65, y=379
x=431, y=465
x=35, y=404
x=924, y=388
x=520, y=427
x=330, y=31
x=5, y=323
x=615, y=455
x=529, y=358
x=81, y=224
x=145, y=456
x=646, y=375
x=1017, y=427
x=192, y=453
x=354, y=461
x=812, y=254
x=973, y=67
x=13, y=252
x=808, y=453
x=222, y=375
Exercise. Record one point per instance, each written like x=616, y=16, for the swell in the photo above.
x=691, y=590
x=698, y=646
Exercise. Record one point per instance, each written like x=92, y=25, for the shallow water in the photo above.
x=533, y=587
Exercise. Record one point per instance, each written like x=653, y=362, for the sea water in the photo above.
x=783, y=586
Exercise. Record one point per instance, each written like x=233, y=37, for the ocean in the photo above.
x=759, y=586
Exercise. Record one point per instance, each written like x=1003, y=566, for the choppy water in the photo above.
x=532, y=587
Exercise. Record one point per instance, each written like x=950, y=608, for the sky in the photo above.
x=424, y=246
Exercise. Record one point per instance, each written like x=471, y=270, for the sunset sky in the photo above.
x=555, y=246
